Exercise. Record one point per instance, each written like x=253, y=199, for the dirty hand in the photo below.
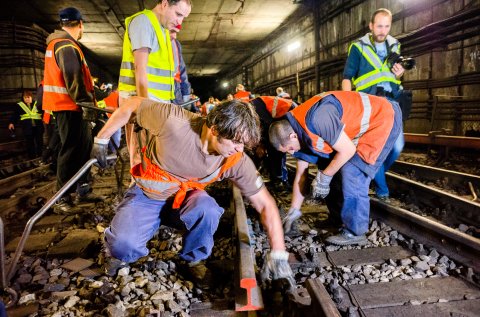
x=276, y=267
x=292, y=215
x=99, y=151
x=321, y=185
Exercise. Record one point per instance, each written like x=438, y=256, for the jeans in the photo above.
x=355, y=211
x=115, y=139
x=138, y=217
x=381, y=188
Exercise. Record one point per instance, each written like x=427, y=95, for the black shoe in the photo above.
x=112, y=265
x=347, y=238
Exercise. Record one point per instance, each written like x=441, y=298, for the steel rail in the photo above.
x=251, y=299
x=463, y=209
x=444, y=140
x=433, y=174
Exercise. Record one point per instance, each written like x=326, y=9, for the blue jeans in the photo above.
x=115, y=139
x=138, y=217
x=381, y=188
x=355, y=211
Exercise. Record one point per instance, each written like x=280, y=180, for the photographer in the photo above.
x=374, y=67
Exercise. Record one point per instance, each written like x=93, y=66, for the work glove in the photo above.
x=276, y=267
x=186, y=98
x=292, y=215
x=89, y=114
x=99, y=151
x=321, y=185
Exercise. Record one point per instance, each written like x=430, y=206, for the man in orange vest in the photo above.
x=242, y=94
x=343, y=131
x=169, y=189
x=67, y=81
x=270, y=109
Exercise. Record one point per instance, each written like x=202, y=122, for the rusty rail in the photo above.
x=444, y=140
x=251, y=299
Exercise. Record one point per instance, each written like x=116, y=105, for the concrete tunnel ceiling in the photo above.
x=216, y=37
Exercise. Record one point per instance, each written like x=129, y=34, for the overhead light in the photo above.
x=293, y=46
x=225, y=84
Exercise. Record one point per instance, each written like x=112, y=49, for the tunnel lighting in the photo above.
x=225, y=84
x=293, y=46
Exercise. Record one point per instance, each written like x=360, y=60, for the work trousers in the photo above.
x=381, y=187
x=34, y=141
x=277, y=164
x=76, y=145
x=138, y=217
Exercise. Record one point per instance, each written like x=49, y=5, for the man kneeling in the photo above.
x=185, y=153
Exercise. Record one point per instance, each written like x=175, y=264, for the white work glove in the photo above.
x=99, y=151
x=321, y=185
x=186, y=98
x=276, y=267
x=292, y=215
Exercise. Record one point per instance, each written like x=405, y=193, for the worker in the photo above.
x=282, y=94
x=242, y=94
x=182, y=85
x=367, y=68
x=342, y=130
x=32, y=126
x=148, y=66
x=67, y=81
x=207, y=106
x=111, y=103
x=269, y=109
x=169, y=187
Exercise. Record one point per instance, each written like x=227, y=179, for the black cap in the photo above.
x=70, y=14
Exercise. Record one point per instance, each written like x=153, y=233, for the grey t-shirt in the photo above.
x=325, y=121
x=142, y=34
x=176, y=147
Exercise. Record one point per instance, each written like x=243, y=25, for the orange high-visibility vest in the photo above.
x=110, y=101
x=368, y=121
x=242, y=95
x=277, y=106
x=55, y=94
x=156, y=180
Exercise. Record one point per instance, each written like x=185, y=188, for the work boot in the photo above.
x=199, y=274
x=112, y=265
x=384, y=199
x=63, y=206
x=347, y=238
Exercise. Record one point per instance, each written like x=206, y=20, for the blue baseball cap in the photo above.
x=70, y=14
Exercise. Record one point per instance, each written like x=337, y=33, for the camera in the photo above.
x=407, y=62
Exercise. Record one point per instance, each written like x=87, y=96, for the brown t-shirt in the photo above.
x=175, y=146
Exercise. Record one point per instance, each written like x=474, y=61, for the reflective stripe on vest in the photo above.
x=55, y=93
x=368, y=121
x=277, y=106
x=381, y=71
x=29, y=113
x=160, y=65
x=156, y=180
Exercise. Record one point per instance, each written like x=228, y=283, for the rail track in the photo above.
x=401, y=272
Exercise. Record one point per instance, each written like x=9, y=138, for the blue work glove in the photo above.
x=321, y=185
x=99, y=151
x=276, y=267
x=292, y=215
